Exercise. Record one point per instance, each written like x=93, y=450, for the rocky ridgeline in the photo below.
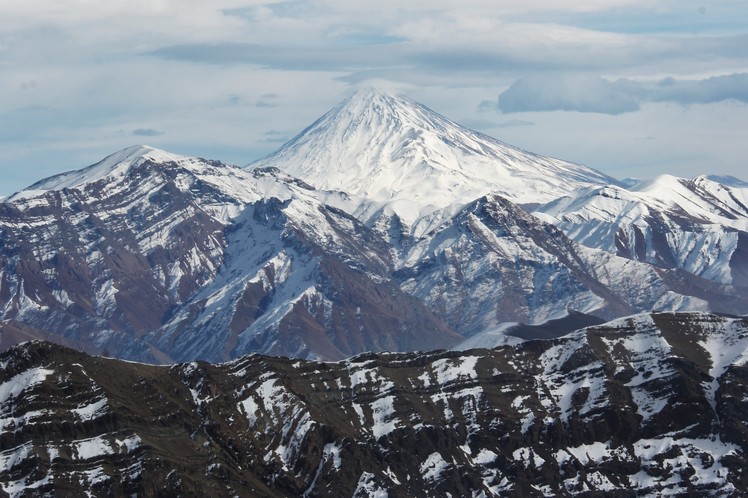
x=651, y=404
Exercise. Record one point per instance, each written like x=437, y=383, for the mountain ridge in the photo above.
x=160, y=257
x=647, y=404
x=146, y=259
x=698, y=224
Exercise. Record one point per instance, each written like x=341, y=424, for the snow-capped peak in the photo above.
x=394, y=151
x=660, y=183
x=116, y=164
x=694, y=224
x=374, y=109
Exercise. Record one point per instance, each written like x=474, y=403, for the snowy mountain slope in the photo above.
x=728, y=180
x=494, y=262
x=412, y=176
x=393, y=156
x=303, y=280
x=485, y=267
x=697, y=225
x=647, y=405
x=124, y=255
x=158, y=257
x=103, y=256
x=116, y=165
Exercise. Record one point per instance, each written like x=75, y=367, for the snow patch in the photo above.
x=433, y=467
x=368, y=488
x=19, y=383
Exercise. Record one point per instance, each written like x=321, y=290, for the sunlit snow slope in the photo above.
x=392, y=153
x=699, y=225
x=153, y=256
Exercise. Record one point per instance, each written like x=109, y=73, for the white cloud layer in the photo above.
x=586, y=93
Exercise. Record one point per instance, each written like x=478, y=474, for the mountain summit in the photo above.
x=393, y=150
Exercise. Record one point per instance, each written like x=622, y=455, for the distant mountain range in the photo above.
x=382, y=227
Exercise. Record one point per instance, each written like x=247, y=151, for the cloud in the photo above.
x=487, y=105
x=275, y=137
x=266, y=100
x=450, y=44
x=313, y=57
x=569, y=92
x=716, y=89
x=512, y=123
x=146, y=132
x=588, y=93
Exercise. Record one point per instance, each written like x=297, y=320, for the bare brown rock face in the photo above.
x=652, y=404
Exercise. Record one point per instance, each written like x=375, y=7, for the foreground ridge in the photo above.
x=650, y=404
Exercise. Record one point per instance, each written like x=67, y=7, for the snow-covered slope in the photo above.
x=698, y=225
x=728, y=180
x=300, y=279
x=392, y=155
x=141, y=170
x=114, y=166
x=494, y=262
x=102, y=256
x=155, y=256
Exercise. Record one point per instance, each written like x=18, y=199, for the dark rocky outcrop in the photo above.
x=647, y=405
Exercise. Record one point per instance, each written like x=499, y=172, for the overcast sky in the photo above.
x=629, y=87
